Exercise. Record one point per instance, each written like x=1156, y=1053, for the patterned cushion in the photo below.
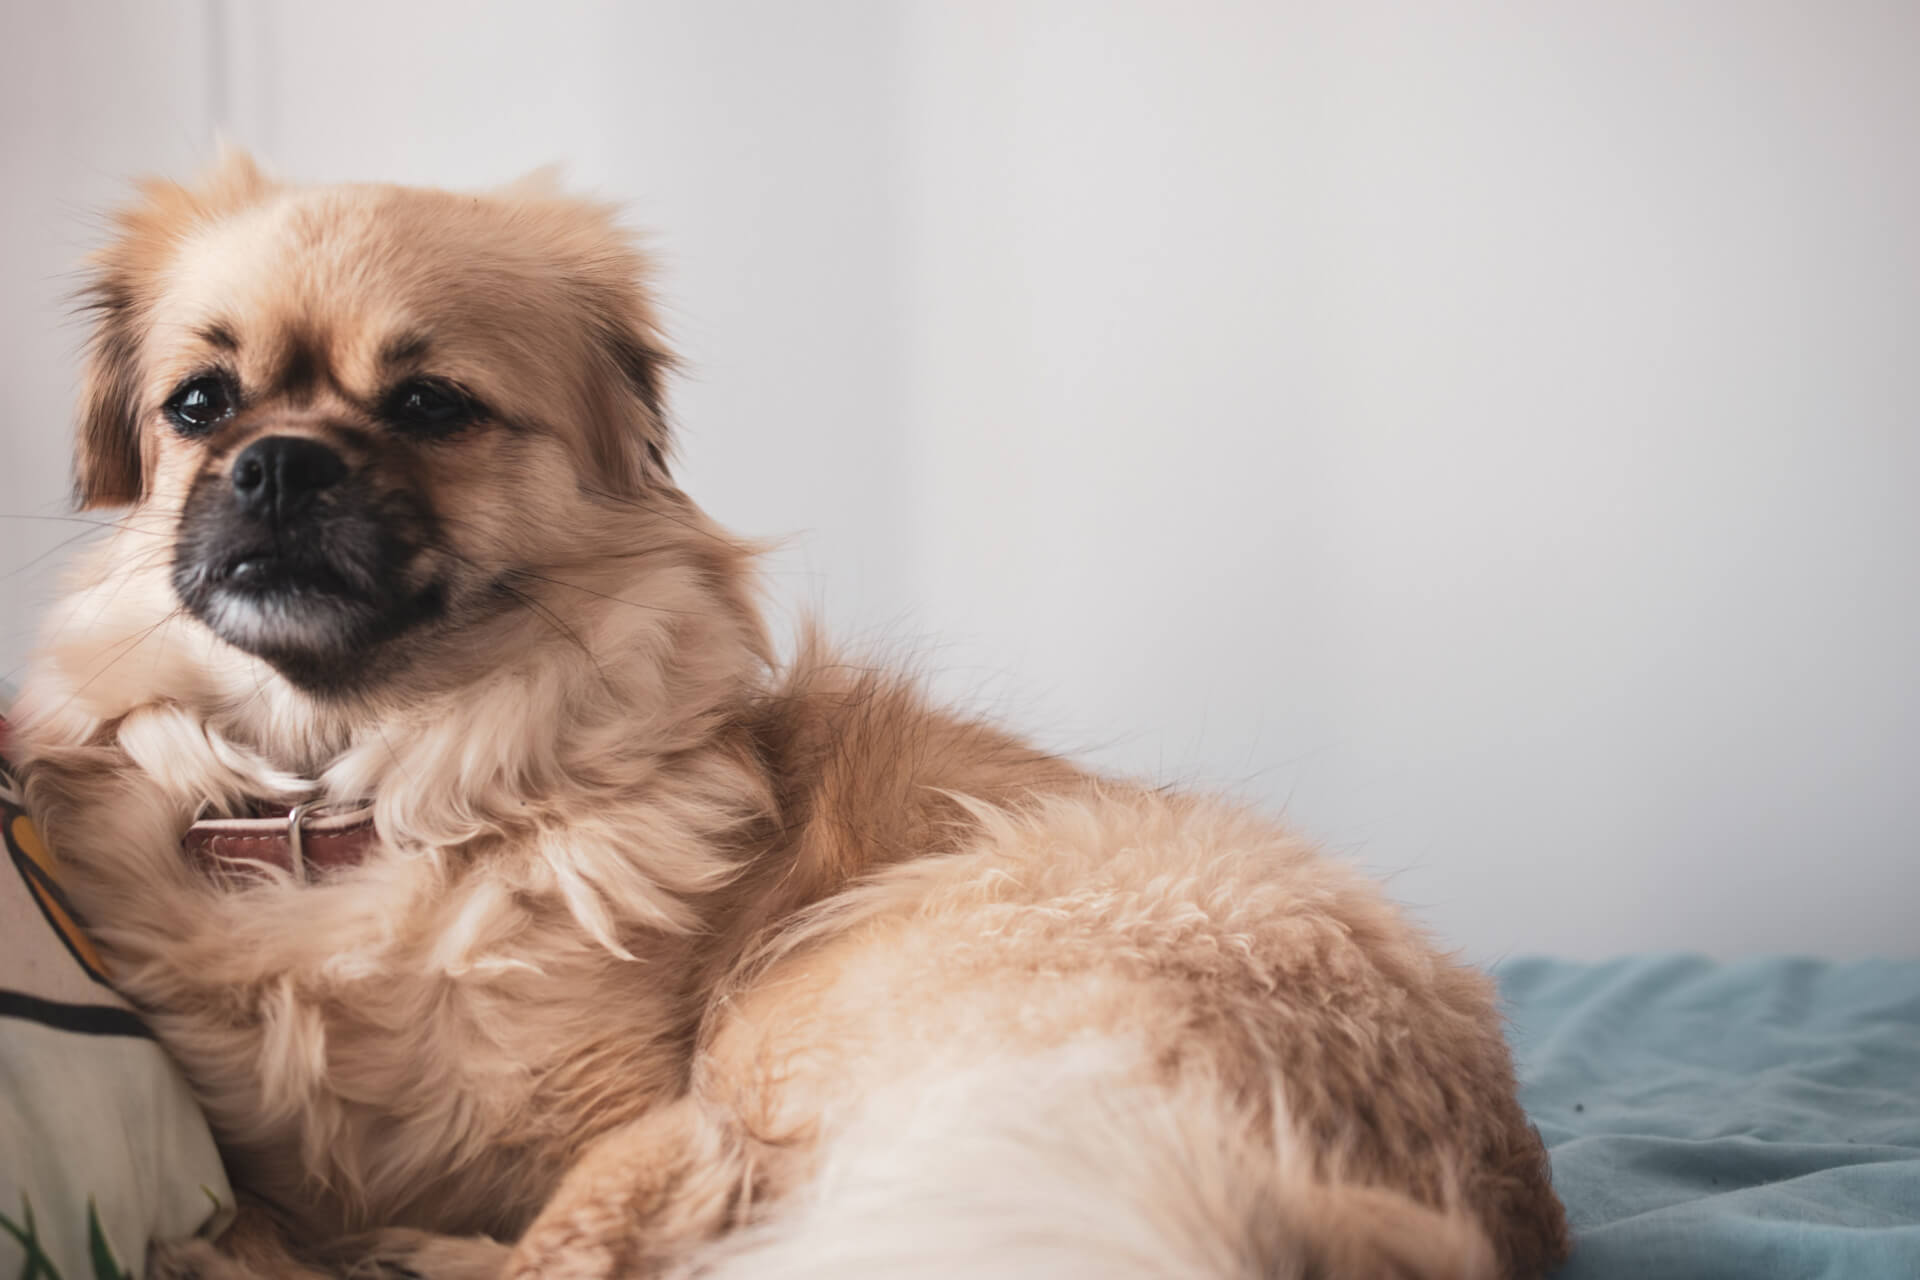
x=101, y=1146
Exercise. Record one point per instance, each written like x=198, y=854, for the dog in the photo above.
x=664, y=955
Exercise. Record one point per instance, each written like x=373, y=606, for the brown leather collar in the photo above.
x=304, y=841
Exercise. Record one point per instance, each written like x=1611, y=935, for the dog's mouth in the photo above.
x=318, y=598
x=268, y=572
x=294, y=610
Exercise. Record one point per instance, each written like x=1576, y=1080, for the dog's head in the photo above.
x=362, y=411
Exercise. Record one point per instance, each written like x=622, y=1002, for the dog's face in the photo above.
x=362, y=411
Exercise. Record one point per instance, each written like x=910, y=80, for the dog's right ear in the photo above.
x=107, y=469
x=108, y=464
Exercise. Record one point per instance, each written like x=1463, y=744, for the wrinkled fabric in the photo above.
x=1746, y=1120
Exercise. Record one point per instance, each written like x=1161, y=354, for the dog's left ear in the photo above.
x=606, y=279
x=643, y=362
x=630, y=440
x=108, y=469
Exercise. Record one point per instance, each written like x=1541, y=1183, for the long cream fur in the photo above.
x=673, y=959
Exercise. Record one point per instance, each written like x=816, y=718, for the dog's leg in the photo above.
x=254, y=1248
x=641, y=1198
x=402, y=1253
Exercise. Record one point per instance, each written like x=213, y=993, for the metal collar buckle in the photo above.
x=296, y=839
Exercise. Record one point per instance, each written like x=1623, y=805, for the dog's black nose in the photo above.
x=274, y=477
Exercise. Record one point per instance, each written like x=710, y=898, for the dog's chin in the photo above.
x=303, y=620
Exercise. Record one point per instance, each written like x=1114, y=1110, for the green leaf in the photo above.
x=38, y=1264
x=105, y=1265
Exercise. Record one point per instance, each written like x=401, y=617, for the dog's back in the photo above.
x=1108, y=1031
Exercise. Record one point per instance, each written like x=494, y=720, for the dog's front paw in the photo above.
x=401, y=1253
x=193, y=1259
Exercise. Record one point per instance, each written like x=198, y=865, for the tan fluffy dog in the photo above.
x=671, y=959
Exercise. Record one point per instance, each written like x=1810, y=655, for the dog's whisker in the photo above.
x=602, y=595
x=120, y=652
x=49, y=553
x=652, y=506
x=559, y=627
x=122, y=525
x=533, y=573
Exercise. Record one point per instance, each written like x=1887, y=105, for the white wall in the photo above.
x=92, y=94
x=1493, y=436
x=1484, y=430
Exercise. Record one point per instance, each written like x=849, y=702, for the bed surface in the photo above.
x=1748, y=1120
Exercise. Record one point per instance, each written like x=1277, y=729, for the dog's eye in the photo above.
x=429, y=406
x=199, y=404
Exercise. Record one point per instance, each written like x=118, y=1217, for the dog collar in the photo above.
x=301, y=840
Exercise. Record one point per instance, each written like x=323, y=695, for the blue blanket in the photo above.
x=1747, y=1121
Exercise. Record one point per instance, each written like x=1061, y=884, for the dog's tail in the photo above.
x=1054, y=1168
